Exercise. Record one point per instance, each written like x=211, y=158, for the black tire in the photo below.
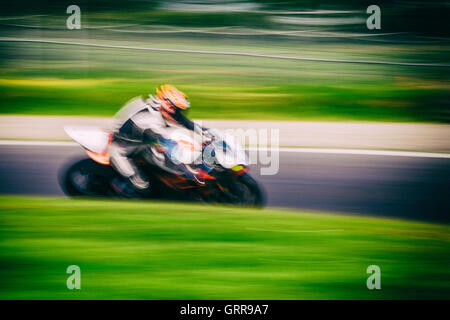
x=242, y=191
x=258, y=197
x=97, y=179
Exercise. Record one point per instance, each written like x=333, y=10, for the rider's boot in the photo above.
x=131, y=187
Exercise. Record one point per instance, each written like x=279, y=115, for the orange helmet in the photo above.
x=172, y=101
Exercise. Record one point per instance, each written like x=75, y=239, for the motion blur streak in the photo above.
x=363, y=118
x=413, y=188
x=225, y=53
x=291, y=150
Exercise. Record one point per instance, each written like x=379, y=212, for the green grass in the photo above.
x=45, y=79
x=155, y=250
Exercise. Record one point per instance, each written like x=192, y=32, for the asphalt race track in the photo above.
x=408, y=187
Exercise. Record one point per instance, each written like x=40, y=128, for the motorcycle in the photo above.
x=221, y=164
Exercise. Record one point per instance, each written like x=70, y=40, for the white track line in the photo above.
x=229, y=53
x=286, y=150
x=37, y=143
x=412, y=154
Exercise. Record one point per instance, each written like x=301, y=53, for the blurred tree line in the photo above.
x=422, y=17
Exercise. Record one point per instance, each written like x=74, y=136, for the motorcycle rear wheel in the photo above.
x=87, y=178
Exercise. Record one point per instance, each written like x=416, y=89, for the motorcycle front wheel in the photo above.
x=243, y=191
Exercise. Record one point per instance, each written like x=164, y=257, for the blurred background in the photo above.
x=64, y=79
x=311, y=69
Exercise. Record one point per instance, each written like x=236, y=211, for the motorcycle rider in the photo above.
x=141, y=123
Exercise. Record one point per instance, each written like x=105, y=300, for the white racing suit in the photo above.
x=138, y=125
